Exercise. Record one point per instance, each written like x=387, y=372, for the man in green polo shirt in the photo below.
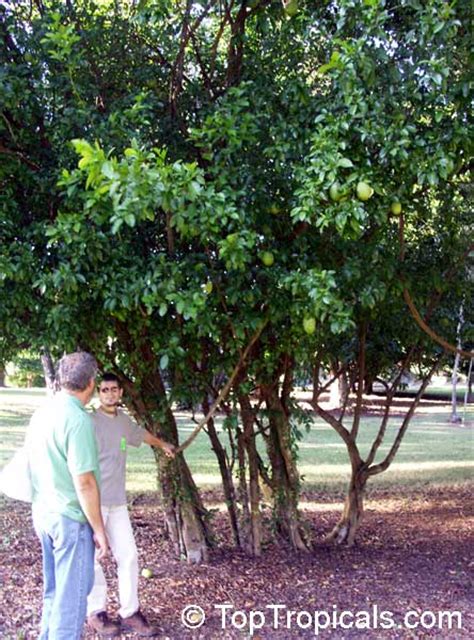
x=64, y=464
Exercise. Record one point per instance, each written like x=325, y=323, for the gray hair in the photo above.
x=76, y=370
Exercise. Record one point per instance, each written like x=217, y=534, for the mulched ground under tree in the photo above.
x=414, y=553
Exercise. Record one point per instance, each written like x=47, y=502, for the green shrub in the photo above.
x=26, y=370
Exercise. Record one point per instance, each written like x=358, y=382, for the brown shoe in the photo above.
x=138, y=624
x=103, y=625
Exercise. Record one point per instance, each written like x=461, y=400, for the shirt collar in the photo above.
x=70, y=399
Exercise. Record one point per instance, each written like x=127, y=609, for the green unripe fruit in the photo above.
x=396, y=208
x=290, y=7
x=208, y=287
x=364, y=191
x=335, y=192
x=309, y=325
x=267, y=258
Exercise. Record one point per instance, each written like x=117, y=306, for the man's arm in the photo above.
x=89, y=499
x=167, y=448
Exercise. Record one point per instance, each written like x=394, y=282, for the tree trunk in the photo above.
x=470, y=380
x=339, y=390
x=368, y=386
x=254, y=491
x=2, y=377
x=285, y=479
x=49, y=371
x=454, y=379
x=454, y=399
x=236, y=48
x=186, y=518
x=345, y=530
x=245, y=519
x=226, y=475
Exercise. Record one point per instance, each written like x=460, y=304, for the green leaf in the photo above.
x=345, y=163
x=116, y=225
x=108, y=170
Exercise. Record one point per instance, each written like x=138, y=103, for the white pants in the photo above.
x=122, y=544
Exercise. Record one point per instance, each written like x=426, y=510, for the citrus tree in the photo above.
x=234, y=191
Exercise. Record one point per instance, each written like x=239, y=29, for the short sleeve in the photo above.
x=133, y=433
x=81, y=447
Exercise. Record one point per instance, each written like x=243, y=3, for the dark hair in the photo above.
x=110, y=377
x=76, y=370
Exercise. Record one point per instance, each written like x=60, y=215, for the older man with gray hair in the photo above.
x=67, y=518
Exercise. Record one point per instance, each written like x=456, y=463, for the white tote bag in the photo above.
x=15, y=477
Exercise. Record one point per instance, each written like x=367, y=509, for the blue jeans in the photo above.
x=68, y=574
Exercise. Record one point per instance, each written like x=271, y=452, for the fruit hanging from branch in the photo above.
x=335, y=192
x=267, y=258
x=364, y=191
x=396, y=208
x=309, y=325
x=290, y=7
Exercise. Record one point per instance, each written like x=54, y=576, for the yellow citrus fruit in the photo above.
x=396, y=208
x=364, y=191
x=309, y=325
x=267, y=258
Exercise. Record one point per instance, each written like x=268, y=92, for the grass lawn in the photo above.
x=432, y=452
x=412, y=552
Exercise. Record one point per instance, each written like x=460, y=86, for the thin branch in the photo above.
x=326, y=386
x=177, y=71
x=388, y=401
x=434, y=336
x=422, y=322
x=10, y=128
x=236, y=47
x=213, y=57
x=315, y=376
x=225, y=390
x=361, y=378
x=345, y=403
x=19, y=156
x=206, y=78
x=333, y=422
x=382, y=466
